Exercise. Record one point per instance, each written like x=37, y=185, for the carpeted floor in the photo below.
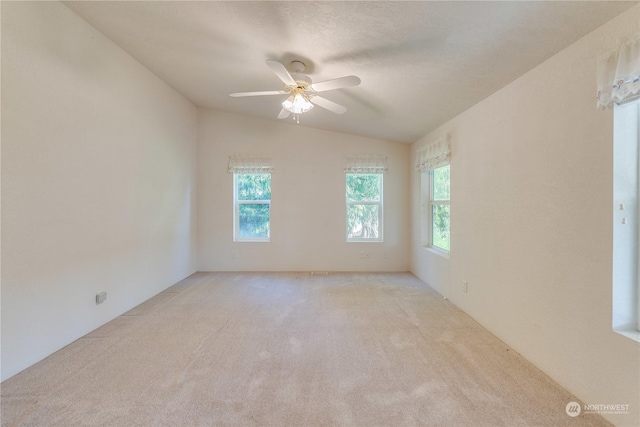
x=289, y=349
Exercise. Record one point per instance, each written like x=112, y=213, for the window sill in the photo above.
x=440, y=252
x=251, y=241
x=629, y=333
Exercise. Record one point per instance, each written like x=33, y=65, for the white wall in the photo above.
x=308, y=198
x=98, y=181
x=531, y=214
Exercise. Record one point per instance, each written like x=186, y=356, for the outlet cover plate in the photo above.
x=100, y=297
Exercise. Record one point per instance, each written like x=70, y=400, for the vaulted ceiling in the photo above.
x=421, y=63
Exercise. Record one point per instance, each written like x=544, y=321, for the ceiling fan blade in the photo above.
x=329, y=105
x=338, y=83
x=282, y=73
x=284, y=114
x=266, y=92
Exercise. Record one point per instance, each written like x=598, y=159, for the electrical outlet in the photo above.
x=465, y=286
x=100, y=297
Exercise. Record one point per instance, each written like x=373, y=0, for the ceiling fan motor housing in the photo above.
x=303, y=80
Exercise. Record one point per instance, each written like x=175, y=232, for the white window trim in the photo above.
x=430, y=204
x=236, y=211
x=380, y=205
x=626, y=276
x=437, y=251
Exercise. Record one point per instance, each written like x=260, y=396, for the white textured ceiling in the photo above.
x=421, y=63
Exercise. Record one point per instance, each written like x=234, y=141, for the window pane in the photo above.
x=254, y=186
x=441, y=183
x=253, y=221
x=363, y=222
x=440, y=215
x=363, y=187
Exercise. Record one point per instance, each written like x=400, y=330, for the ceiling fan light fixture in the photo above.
x=297, y=103
x=301, y=90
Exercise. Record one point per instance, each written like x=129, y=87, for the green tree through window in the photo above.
x=439, y=201
x=364, y=207
x=252, y=206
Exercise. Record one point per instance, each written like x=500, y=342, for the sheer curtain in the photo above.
x=434, y=154
x=250, y=163
x=366, y=163
x=618, y=74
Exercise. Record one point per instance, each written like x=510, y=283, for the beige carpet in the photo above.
x=275, y=349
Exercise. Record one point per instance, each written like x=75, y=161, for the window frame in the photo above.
x=431, y=202
x=636, y=100
x=236, y=210
x=626, y=220
x=379, y=203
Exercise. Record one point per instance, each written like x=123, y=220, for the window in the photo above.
x=617, y=85
x=439, y=207
x=252, y=207
x=432, y=160
x=364, y=207
x=626, y=226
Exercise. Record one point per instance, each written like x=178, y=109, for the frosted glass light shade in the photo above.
x=297, y=104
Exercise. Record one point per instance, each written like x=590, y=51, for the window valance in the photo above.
x=250, y=163
x=366, y=163
x=434, y=154
x=618, y=74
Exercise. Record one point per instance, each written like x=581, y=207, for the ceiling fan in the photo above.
x=303, y=93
